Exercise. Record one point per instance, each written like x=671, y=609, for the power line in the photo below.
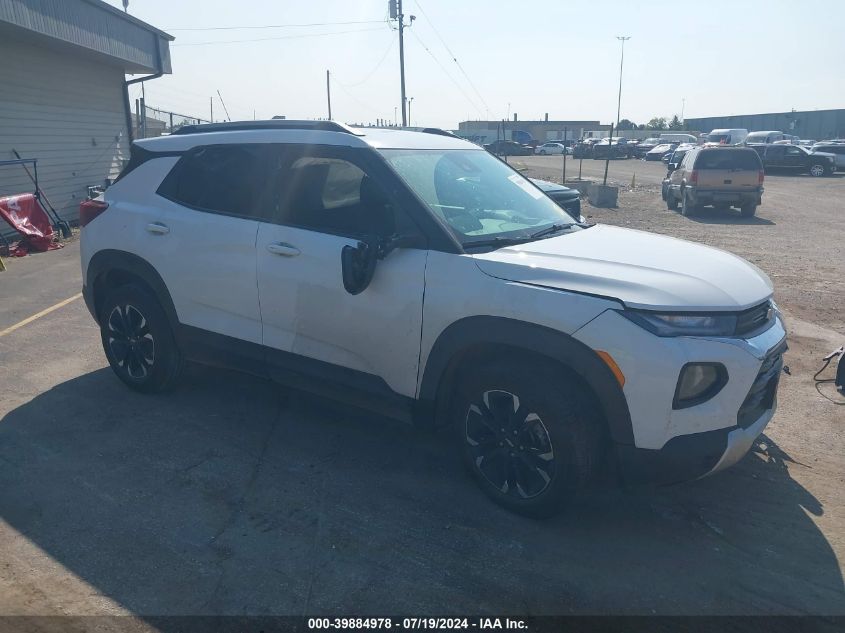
x=451, y=54
x=282, y=37
x=446, y=72
x=273, y=26
x=377, y=66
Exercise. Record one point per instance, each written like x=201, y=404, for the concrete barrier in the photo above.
x=603, y=195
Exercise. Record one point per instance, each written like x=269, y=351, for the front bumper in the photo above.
x=673, y=445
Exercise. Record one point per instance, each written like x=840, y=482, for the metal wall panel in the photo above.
x=93, y=25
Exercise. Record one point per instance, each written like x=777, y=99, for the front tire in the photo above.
x=528, y=435
x=138, y=341
x=817, y=170
x=542, y=152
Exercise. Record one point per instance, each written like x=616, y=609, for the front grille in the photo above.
x=755, y=318
x=761, y=396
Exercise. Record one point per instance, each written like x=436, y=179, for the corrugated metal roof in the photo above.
x=93, y=25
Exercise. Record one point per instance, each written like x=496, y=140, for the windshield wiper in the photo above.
x=554, y=228
x=497, y=242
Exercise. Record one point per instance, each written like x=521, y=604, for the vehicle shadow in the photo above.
x=709, y=215
x=229, y=496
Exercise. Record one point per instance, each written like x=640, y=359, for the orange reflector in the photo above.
x=608, y=359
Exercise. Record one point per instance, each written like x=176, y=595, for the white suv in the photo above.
x=416, y=274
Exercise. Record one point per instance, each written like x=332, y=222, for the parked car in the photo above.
x=806, y=142
x=417, y=275
x=796, y=158
x=550, y=148
x=733, y=136
x=659, y=151
x=764, y=137
x=617, y=147
x=677, y=137
x=673, y=159
x=646, y=145
x=568, y=199
x=718, y=176
x=508, y=148
x=584, y=148
x=837, y=149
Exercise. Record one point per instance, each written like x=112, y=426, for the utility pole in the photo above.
x=395, y=12
x=410, y=101
x=683, y=105
x=622, y=39
x=329, y=94
x=211, y=104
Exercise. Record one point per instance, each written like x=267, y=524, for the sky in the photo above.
x=489, y=59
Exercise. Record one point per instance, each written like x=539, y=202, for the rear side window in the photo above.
x=728, y=159
x=223, y=179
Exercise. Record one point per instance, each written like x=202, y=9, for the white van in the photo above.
x=727, y=137
x=678, y=138
x=770, y=136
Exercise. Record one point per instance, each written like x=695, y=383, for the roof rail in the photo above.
x=272, y=124
x=438, y=131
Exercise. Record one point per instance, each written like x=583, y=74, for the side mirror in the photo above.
x=673, y=166
x=358, y=265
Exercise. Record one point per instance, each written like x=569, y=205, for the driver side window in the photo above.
x=330, y=194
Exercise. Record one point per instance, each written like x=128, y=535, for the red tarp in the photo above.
x=28, y=217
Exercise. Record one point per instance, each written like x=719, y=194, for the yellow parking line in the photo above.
x=27, y=320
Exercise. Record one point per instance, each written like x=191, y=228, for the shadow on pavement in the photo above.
x=227, y=497
x=708, y=215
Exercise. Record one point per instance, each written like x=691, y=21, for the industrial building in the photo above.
x=64, y=97
x=810, y=124
x=525, y=131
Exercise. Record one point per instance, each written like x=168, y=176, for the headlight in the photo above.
x=697, y=383
x=669, y=324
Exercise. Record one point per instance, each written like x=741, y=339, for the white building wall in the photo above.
x=67, y=111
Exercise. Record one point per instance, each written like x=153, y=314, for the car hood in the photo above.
x=553, y=187
x=642, y=270
x=826, y=154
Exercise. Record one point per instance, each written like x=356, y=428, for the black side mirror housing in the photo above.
x=389, y=244
x=358, y=265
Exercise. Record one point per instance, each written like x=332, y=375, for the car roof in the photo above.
x=374, y=138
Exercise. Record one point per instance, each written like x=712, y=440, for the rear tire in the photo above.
x=138, y=341
x=748, y=210
x=529, y=436
x=687, y=207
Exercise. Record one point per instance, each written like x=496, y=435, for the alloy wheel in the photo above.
x=817, y=170
x=509, y=444
x=130, y=341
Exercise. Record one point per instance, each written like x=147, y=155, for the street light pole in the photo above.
x=410, y=101
x=622, y=39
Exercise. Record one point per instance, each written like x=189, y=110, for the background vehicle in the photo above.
x=733, y=136
x=672, y=161
x=764, y=138
x=550, y=148
x=645, y=146
x=584, y=148
x=617, y=147
x=677, y=137
x=796, y=158
x=508, y=148
x=721, y=176
x=837, y=149
x=659, y=151
x=568, y=199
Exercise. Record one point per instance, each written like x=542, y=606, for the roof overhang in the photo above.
x=90, y=27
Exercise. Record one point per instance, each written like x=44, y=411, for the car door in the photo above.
x=794, y=157
x=323, y=199
x=200, y=237
x=775, y=157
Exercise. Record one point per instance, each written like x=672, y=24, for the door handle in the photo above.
x=158, y=228
x=283, y=249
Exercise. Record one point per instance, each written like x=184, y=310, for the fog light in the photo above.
x=698, y=382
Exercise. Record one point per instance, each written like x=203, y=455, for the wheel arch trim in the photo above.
x=471, y=332
x=109, y=260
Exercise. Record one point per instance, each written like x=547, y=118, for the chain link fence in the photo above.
x=149, y=122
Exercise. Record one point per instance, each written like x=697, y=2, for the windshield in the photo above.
x=477, y=195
